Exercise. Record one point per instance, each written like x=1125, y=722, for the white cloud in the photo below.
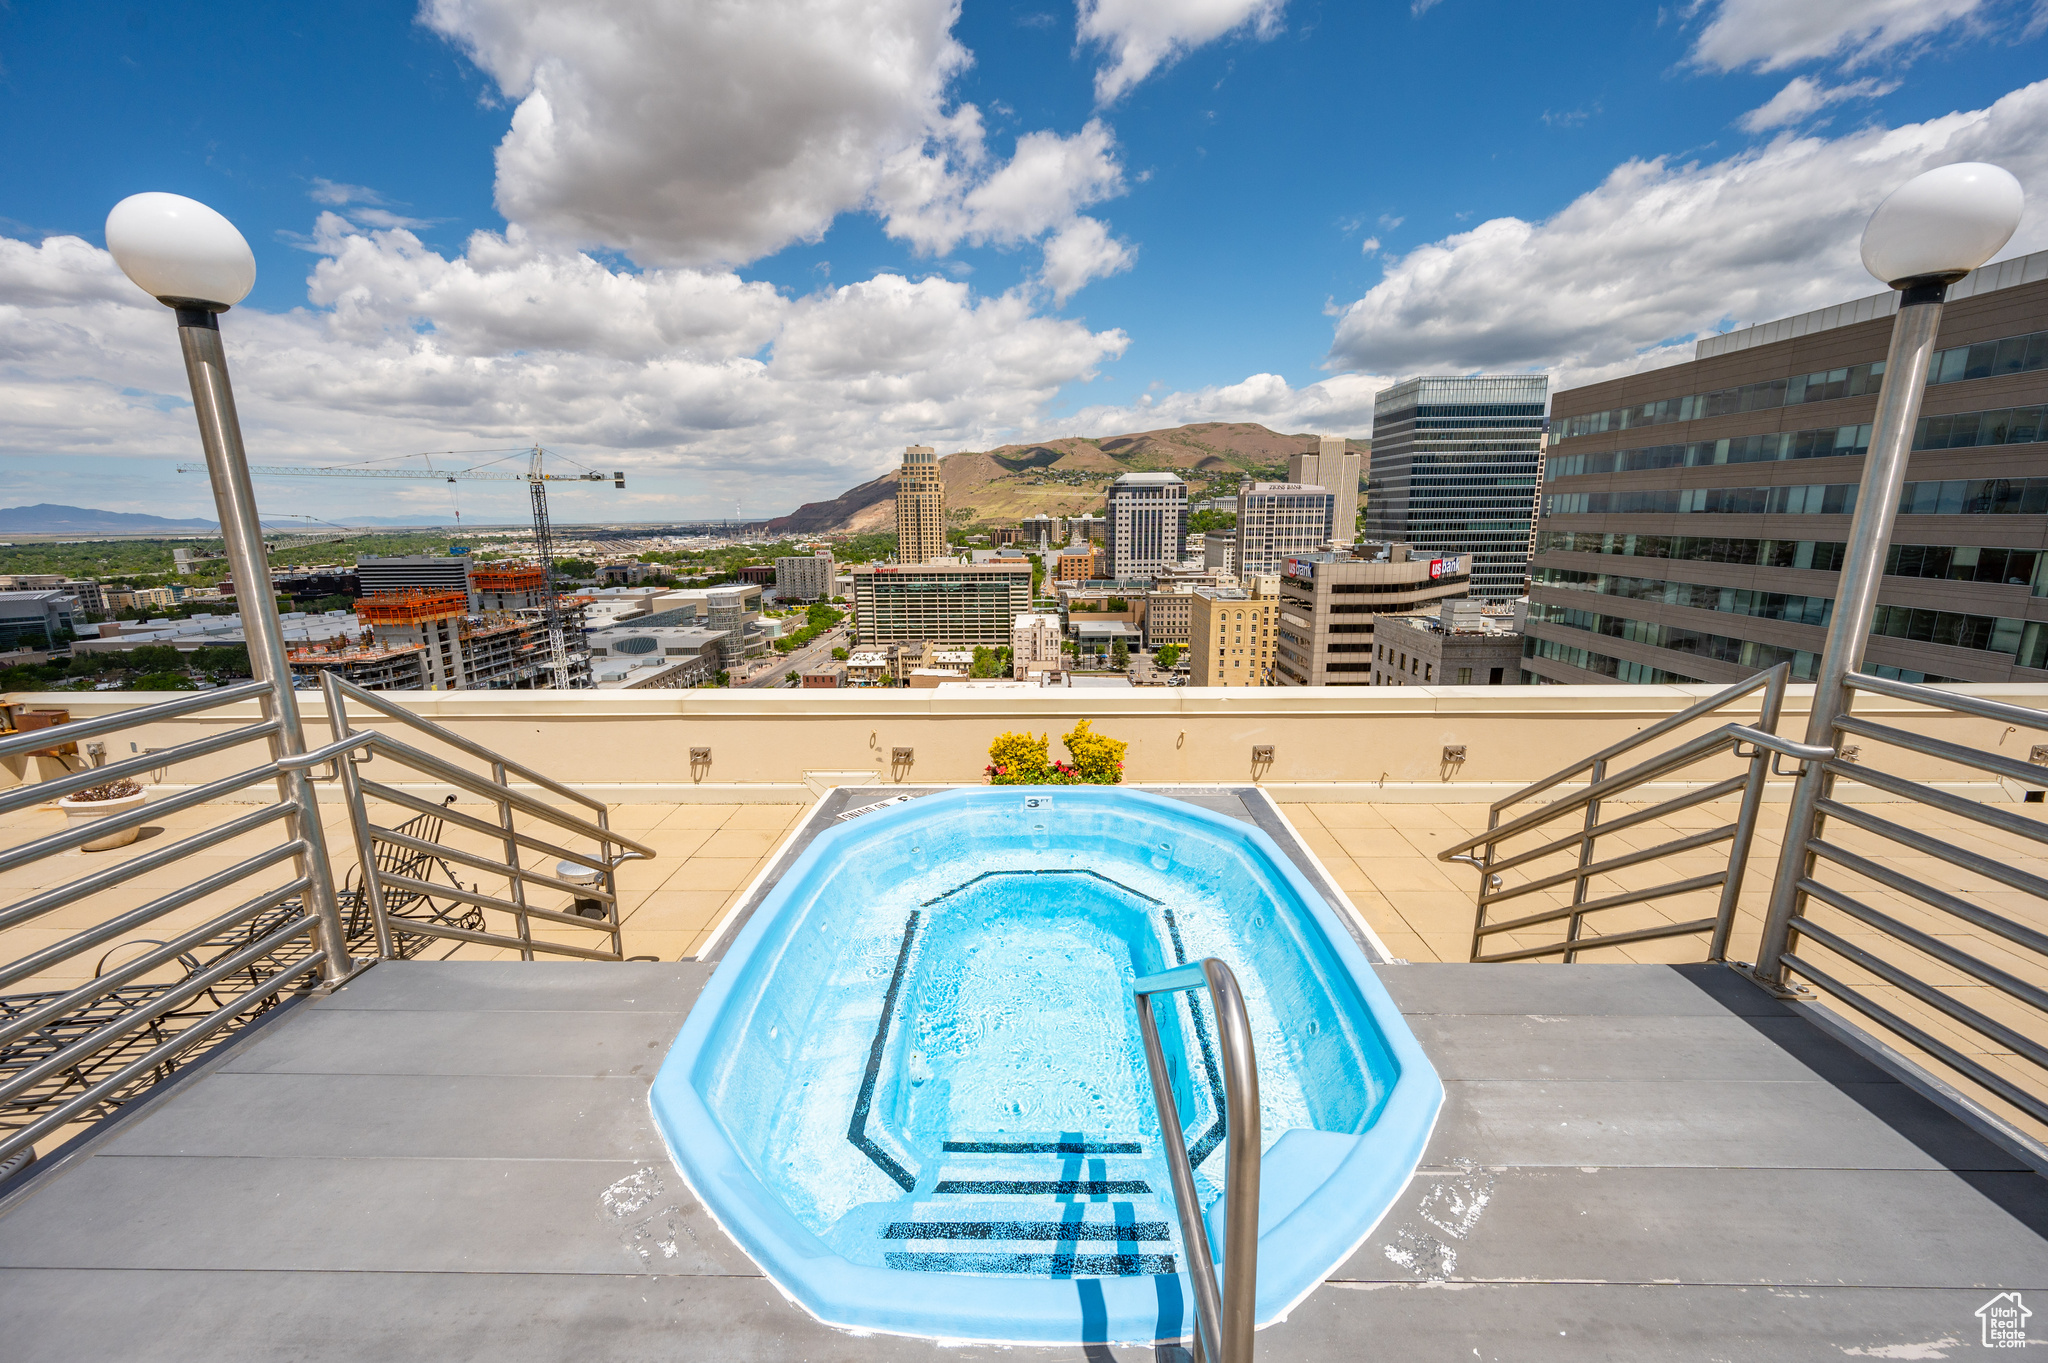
x=1804, y=96
x=1369, y=245
x=1771, y=35
x=698, y=133
x=700, y=384
x=1662, y=251
x=1139, y=37
x=1339, y=405
x=937, y=197
x=701, y=132
x=1081, y=251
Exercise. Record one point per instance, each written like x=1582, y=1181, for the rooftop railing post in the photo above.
x=1932, y=231
x=234, y=497
x=1594, y=778
x=1870, y=537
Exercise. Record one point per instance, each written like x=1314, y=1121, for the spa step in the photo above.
x=1058, y=1204
x=1127, y=1238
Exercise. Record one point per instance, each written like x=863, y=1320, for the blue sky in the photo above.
x=753, y=257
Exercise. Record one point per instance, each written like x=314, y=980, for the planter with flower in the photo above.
x=100, y=802
x=1022, y=760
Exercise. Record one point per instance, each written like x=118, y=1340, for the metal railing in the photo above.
x=352, y=749
x=72, y=1053
x=1810, y=856
x=1582, y=844
x=1225, y=1315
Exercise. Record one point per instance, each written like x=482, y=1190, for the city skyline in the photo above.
x=493, y=247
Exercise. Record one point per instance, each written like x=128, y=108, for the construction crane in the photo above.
x=543, y=530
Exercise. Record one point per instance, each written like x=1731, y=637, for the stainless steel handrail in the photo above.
x=69, y=1051
x=378, y=881
x=76, y=1050
x=1772, y=682
x=1225, y=1316
x=1808, y=854
x=1762, y=745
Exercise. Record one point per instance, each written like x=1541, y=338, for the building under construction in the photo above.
x=432, y=641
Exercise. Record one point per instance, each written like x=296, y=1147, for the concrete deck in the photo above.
x=456, y=1161
x=1382, y=857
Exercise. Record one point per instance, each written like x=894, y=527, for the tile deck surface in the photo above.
x=455, y=1160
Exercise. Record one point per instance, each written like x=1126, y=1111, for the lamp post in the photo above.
x=192, y=260
x=1933, y=230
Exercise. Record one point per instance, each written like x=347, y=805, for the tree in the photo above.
x=1203, y=522
x=839, y=655
x=1166, y=656
x=792, y=678
x=1119, y=656
x=155, y=658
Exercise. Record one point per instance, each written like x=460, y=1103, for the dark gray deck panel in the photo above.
x=1634, y=1163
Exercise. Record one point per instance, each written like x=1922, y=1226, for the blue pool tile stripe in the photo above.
x=1047, y=1187
x=857, y=1129
x=1213, y=1137
x=1026, y=1230
x=1042, y=871
x=1036, y=1265
x=1061, y=1147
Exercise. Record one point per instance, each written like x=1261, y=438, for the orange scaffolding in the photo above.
x=411, y=608
x=513, y=577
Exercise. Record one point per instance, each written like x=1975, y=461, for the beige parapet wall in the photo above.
x=1369, y=744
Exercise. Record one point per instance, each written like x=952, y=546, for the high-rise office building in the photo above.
x=945, y=603
x=1333, y=465
x=1148, y=524
x=1277, y=521
x=1455, y=463
x=920, y=508
x=805, y=577
x=1694, y=518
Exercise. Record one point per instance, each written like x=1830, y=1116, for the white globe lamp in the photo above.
x=181, y=252
x=1942, y=224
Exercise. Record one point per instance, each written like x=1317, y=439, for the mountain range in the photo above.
x=47, y=518
x=1065, y=477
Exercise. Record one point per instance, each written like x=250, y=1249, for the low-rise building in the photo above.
x=629, y=573
x=943, y=602
x=1231, y=641
x=824, y=678
x=707, y=652
x=867, y=667
x=1035, y=641
x=36, y=619
x=1076, y=564
x=1329, y=603
x=1170, y=617
x=1463, y=644
x=86, y=593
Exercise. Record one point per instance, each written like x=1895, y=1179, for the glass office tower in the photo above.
x=1455, y=463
